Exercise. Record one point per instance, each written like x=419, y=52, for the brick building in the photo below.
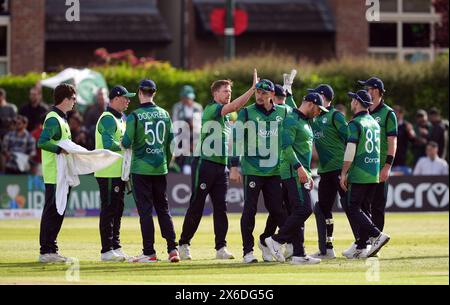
x=35, y=35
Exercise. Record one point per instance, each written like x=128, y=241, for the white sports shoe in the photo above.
x=358, y=254
x=266, y=255
x=288, y=251
x=223, y=253
x=330, y=254
x=52, y=258
x=111, y=256
x=349, y=251
x=378, y=254
x=250, y=258
x=305, y=260
x=120, y=252
x=275, y=249
x=184, y=252
x=377, y=243
x=143, y=259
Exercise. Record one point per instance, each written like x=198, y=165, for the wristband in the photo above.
x=389, y=159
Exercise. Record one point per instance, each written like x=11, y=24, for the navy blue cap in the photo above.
x=362, y=96
x=325, y=90
x=120, y=91
x=265, y=85
x=316, y=99
x=279, y=91
x=373, y=82
x=148, y=85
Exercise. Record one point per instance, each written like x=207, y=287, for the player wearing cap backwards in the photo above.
x=258, y=145
x=296, y=154
x=360, y=174
x=386, y=118
x=149, y=134
x=210, y=172
x=283, y=98
x=330, y=136
x=109, y=131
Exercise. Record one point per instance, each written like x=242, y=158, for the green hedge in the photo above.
x=419, y=85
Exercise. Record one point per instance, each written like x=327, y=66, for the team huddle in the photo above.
x=268, y=148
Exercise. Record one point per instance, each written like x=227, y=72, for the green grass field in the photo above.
x=418, y=253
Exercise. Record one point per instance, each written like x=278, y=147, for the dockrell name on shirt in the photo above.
x=152, y=115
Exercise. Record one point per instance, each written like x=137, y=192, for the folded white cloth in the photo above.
x=126, y=164
x=79, y=161
x=22, y=161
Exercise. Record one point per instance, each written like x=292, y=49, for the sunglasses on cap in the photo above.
x=264, y=86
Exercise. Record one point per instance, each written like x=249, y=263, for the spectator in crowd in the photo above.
x=439, y=131
x=422, y=129
x=36, y=109
x=92, y=114
x=78, y=131
x=341, y=108
x=18, y=148
x=36, y=168
x=406, y=135
x=431, y=165
x=94, y=111
x=189, y=111
x=8, y=113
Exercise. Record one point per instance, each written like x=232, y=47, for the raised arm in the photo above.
x=238, y=103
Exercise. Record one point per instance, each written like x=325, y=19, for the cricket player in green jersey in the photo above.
x=360, y=175
x=257, y=134
x=283, y=98
x=210, y=171
x=385, y=116
x=55, y=129
x=149, y=134
x=109, y=132
x=330, y=137
x=297, y=145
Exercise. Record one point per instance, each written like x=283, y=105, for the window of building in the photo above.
x=406, y=31
x=388, y=6
x=417, y=6
x=383, y=34
x=416, y=35
x=4, y=37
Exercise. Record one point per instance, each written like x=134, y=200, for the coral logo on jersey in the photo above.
x=252, y=184
x=378, y=119
x=203, y=186
x=324, y=120
x=278, y=118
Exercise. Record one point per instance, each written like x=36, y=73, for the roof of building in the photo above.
x=275, y=15
x=107, y=20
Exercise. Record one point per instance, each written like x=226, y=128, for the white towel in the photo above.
x=126, y=164
x=79, y=161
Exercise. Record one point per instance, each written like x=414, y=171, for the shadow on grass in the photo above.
x=113, y=267
x=166, y=266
